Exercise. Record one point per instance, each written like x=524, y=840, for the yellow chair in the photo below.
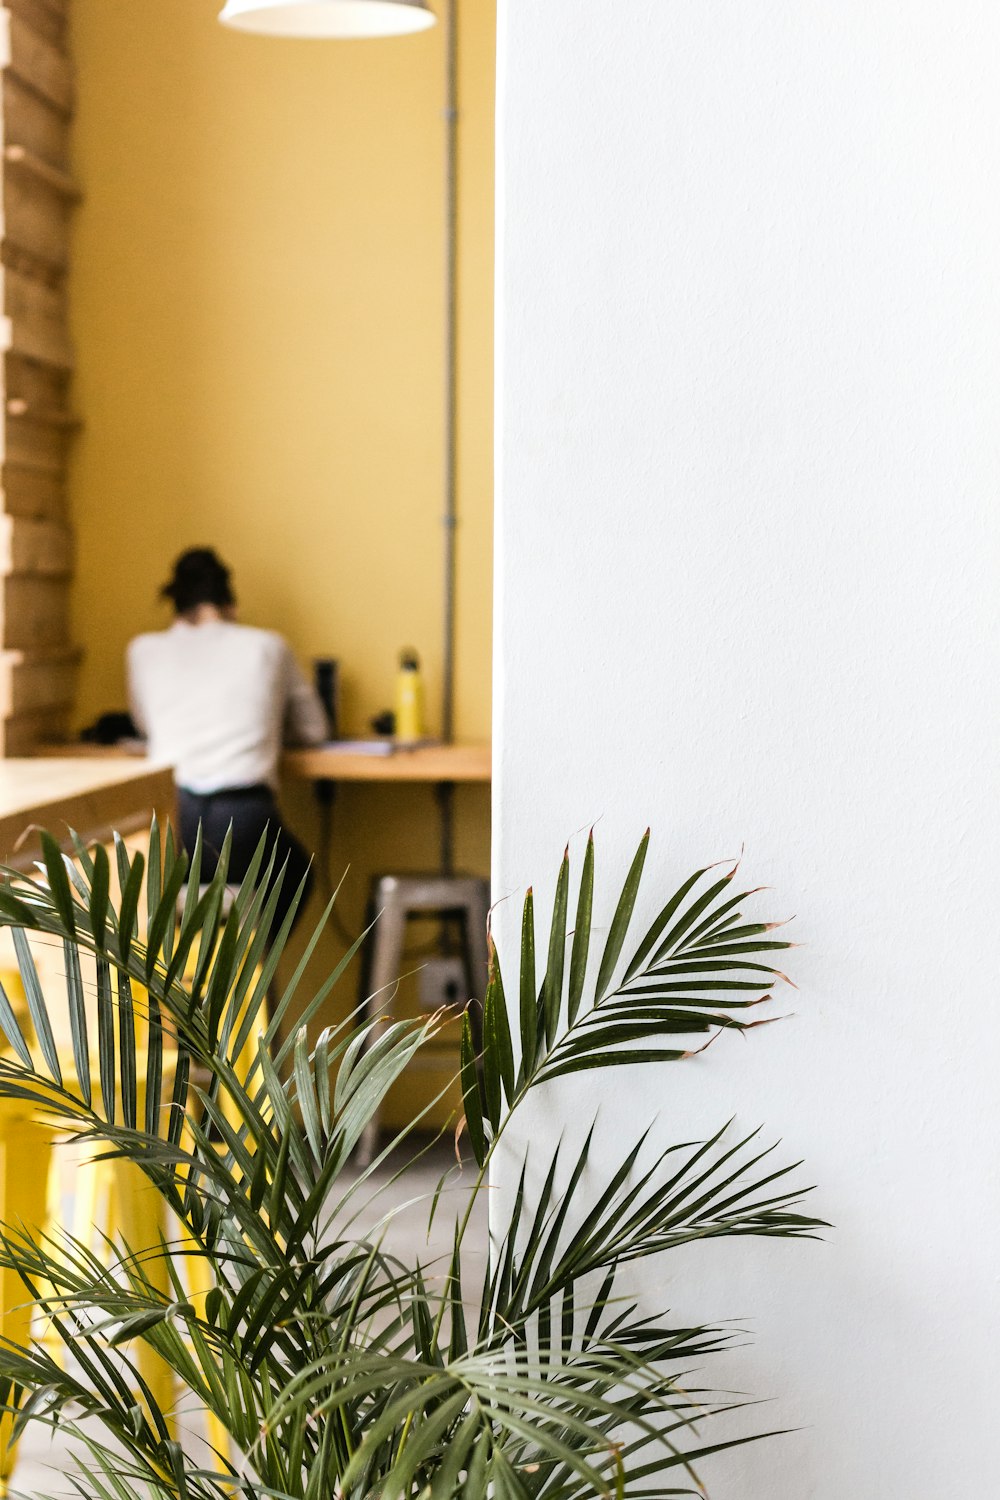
x=30, y=1197
x=25, y=1156
x=108, y=1196
x=136, y=1209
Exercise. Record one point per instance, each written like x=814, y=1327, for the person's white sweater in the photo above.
x=217, y=701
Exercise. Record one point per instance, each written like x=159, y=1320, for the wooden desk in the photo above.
x=429, y=763
x=467, y=763
x=95, y=797
x=442, y=766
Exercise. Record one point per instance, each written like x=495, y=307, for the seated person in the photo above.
x=217, y=700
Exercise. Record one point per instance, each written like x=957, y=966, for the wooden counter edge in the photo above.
x=429, y=763
x=470, y=762
x=94, y=813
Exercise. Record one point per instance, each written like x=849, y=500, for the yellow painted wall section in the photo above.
x=257, y=303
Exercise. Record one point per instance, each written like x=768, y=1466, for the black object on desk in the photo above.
x=110, y=728
x=327, y=679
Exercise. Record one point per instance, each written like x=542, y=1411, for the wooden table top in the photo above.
x=91, y=796
x=465, y=763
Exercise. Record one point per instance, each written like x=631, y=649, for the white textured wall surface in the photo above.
x=748, y=548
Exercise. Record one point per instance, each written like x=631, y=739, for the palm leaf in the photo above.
x=552, y=984
x=581, y=933
x=337, y=1366
x=621, y=919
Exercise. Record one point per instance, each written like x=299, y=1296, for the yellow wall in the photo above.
x=257, y=303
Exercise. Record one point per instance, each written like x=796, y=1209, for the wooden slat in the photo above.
x=22, y=733
x=33, y=123
x=41, y=67
x=30, y=683
x=39, y=464
x=41, y=547
x=23, y=263
x=33, y=442
x=31, y=387
x=45, y=416
x=35, y=219
x=35, y=612
x=23, y=161
x=34, y=321
x=35, y=214
x=46, y=17
x=32, y=492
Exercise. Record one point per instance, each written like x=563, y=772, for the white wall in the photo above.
x=749, y=591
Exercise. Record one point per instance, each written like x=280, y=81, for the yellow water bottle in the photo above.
x=409, y=699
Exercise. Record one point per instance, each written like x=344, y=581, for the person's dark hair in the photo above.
x=200, y=577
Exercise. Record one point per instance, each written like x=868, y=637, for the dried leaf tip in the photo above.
x=696, y=1051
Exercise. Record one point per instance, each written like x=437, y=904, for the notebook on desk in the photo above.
x=359, y=747
x=376, y=747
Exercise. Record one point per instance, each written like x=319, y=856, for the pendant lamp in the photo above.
x=328, y=18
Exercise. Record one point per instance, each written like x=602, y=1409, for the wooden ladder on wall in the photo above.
x=38, y=662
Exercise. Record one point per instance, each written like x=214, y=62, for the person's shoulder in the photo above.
x=145, y=644
x=264, y=640
x=267, y=645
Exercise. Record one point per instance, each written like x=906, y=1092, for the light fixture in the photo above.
x=328, y=18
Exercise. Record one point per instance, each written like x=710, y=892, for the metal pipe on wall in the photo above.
x=450, y=518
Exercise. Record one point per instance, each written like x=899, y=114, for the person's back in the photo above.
x=217, y=700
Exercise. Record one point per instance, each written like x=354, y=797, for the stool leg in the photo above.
x=367, y=951
x=387, y=941
x=25, y=1162
x=476, y=955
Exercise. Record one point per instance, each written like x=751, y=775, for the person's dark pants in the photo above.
x=250, y=810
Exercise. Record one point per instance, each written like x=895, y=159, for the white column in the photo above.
x=747, y=547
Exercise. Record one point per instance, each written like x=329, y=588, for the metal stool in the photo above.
x=393, y=901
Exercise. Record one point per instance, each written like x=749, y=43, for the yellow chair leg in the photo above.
x=87, y=1182
x=200, y=1282
x=25, y=1157
x=140, y=1219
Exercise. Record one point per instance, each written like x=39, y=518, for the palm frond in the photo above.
x=336, y=1366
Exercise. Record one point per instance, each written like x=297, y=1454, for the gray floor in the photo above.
x=43, y=1462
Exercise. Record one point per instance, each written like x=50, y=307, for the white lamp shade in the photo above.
x=328, y=18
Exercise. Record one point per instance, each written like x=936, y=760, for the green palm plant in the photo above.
x=338, y=1369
